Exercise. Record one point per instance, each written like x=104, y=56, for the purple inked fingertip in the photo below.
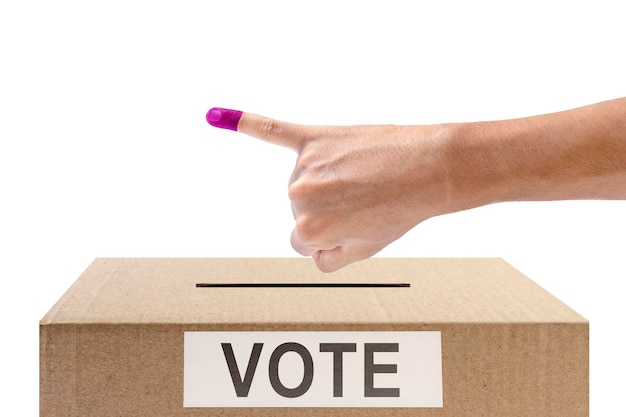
x=223, y=118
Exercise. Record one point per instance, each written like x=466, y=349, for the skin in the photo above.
x=355, y=189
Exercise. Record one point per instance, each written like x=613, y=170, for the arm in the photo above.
x=575, y=154
x=355, y=189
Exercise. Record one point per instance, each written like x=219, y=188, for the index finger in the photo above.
x=269, y=130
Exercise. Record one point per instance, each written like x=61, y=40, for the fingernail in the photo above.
x=223, y=118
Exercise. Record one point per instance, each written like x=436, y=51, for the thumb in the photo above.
x=340, y=256
x=260, y=127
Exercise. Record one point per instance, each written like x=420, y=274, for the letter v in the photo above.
x=242, y=387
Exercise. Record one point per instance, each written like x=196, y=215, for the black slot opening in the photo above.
x=303, y=285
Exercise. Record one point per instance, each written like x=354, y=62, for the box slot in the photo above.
x=303, y=285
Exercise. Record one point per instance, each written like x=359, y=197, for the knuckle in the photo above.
x=306, y=230
x=270, y=128
x=303, y=161
x=295, y=190
x=308, y=161
x=299, y=190
x=299, y=246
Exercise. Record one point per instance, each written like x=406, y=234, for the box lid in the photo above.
x=163, y=290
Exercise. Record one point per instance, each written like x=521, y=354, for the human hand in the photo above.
x=354, y=189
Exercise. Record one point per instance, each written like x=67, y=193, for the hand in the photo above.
x=354, y=189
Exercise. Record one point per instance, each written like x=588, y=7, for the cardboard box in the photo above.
x=392, y=337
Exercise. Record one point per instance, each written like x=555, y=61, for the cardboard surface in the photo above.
x=114, y=343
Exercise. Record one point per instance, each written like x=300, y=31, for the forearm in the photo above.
x=575, y=154
x=355, y=189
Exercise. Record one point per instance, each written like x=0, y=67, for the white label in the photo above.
x=313, y=369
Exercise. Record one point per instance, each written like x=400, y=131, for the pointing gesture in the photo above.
x=349, y=187
x=355, y=189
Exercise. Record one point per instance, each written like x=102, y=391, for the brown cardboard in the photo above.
x=113, y=344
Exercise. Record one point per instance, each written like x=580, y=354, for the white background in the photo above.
x=105, y=151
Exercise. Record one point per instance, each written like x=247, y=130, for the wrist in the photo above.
x=478, y=166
